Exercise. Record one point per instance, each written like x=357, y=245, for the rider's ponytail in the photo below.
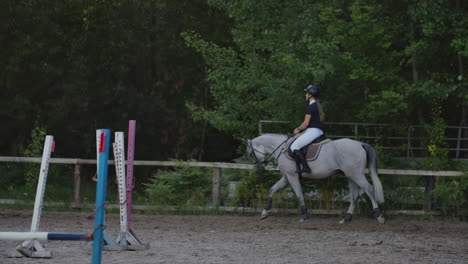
x=321, y=112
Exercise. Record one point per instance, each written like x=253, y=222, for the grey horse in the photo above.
x=343, y=155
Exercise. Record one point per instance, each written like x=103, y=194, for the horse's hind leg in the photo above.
x=280, y=184
x=369, y=190
x=354, y=193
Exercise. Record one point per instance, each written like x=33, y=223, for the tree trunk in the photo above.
x=464, y=105
x=205, y=127
x=464, y=110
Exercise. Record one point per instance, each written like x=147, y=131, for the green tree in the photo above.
x=280, y=47
x=84, y=65
x=381, y=61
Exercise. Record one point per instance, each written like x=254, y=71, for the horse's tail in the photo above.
x=372, y=163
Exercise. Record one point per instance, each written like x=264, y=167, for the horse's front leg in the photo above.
x=280, y=184
x=296, y=185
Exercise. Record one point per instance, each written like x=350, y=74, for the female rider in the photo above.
x=312, y=126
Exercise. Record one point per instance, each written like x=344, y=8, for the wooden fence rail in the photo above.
x=217, y=166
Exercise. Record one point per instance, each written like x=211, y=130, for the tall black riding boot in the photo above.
x=298, y=165
x=298, y=168
x=302, y=159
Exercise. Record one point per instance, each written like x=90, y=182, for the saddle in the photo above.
x=311, y=151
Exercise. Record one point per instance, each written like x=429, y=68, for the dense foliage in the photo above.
x=74, y=66
x=183, y=186
x=381, y=61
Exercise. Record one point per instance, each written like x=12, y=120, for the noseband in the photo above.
x=259, y=166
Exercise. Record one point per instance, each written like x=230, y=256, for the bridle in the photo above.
x=260, y=165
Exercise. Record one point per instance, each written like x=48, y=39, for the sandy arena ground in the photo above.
x=246, y=239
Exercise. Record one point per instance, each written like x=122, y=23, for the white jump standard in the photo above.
x=32, y=248
x=126, y=240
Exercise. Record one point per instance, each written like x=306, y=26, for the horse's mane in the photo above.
x=274, y=134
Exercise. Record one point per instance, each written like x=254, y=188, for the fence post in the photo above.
x=216, y=199
x=77, y=177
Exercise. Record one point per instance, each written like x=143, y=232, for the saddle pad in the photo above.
x=313, y=150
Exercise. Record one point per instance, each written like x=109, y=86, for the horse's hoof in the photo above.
x=381, y=219
x=265, y=214
x=378, y=214
x=348, y=217
x=304, y=213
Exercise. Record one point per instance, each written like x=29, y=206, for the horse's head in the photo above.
x=256, y=154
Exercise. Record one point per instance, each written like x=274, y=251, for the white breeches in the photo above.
x=308, y=136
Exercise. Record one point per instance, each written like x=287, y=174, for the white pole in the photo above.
x=34, y=236
x=23, y=236
x=31, y=247
x=41, y=183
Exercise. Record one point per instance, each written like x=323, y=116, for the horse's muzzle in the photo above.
x=259, y=168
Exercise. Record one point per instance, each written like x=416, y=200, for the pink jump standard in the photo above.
x=130, y=158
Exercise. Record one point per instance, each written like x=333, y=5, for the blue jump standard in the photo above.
x=101, y=188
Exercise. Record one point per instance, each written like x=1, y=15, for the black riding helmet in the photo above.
x=313, y=90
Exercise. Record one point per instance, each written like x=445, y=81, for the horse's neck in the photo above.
x=271, y=141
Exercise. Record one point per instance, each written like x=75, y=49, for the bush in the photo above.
x=451, y=195
x=181, y=186
x=34, y=149
x=12, y=178
x=253, y=188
